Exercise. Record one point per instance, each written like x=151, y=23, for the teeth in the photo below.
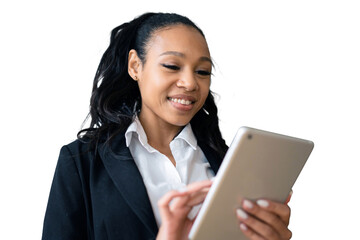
x=181, y=101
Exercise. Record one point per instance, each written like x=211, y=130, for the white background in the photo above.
x=285, y=66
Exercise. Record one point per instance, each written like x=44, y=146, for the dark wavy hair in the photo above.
x=116, y=99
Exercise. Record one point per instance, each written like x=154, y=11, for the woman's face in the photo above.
x=175, y=79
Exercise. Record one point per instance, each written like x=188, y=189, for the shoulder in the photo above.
x=75, y=148
x=85, y=148
x=79, y=153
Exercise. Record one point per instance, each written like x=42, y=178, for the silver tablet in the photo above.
x=258, y=164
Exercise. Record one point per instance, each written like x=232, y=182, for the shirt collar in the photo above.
x=136, y=127
x=186, y=134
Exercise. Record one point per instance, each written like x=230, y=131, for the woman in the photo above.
x=153, y=139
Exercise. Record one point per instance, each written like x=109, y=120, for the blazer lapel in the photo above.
x=122, y=169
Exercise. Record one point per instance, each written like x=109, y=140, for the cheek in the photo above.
x=155, y=87
x=148, y=83
x=156, y=81
x=205, y=87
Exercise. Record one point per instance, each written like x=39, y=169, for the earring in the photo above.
x=135, y=78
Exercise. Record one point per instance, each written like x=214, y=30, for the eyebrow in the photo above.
x=179, y=54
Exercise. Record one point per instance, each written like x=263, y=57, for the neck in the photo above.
x=159, y=133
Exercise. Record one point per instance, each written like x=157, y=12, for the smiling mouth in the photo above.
x=181, y=101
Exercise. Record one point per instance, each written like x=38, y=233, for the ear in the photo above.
x=134, y=65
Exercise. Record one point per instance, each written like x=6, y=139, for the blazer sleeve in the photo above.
x=65, y=216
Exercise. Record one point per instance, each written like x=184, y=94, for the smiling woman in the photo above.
x=153, y=139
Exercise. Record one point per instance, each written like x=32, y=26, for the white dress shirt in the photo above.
x=158, y=172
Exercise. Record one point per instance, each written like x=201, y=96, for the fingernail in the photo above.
x=247, y=204
x=289, y=197
x=241, y=214
x=262, y=203
x=243, y=227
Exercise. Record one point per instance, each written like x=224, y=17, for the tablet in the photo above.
x=258, y=164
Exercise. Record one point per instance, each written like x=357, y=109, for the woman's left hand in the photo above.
x=264, y=219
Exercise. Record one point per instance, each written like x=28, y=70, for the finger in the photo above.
x=280, y=209
x=259, y=228
x=165, y=200
x=180, y=203
x=197, y=186
x=196, y=191
x=273, y=220
x=198, y=197
x=249, y=233
x=289, y=197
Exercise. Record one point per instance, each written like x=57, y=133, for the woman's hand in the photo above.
x=265, y=219
x=175, y=223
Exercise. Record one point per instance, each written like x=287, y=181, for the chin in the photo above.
x=180, y=121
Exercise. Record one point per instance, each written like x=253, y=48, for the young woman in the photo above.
x=153, y=139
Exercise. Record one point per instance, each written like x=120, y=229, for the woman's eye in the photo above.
x=203, y=73
x=171, y=67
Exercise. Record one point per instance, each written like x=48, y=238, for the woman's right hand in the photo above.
x=175, y=223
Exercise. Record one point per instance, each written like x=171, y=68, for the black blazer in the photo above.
x=100, y=194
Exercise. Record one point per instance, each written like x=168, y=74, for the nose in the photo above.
x=188, y=81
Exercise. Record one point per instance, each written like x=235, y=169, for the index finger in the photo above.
x=196, y=191
x=197, y=186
